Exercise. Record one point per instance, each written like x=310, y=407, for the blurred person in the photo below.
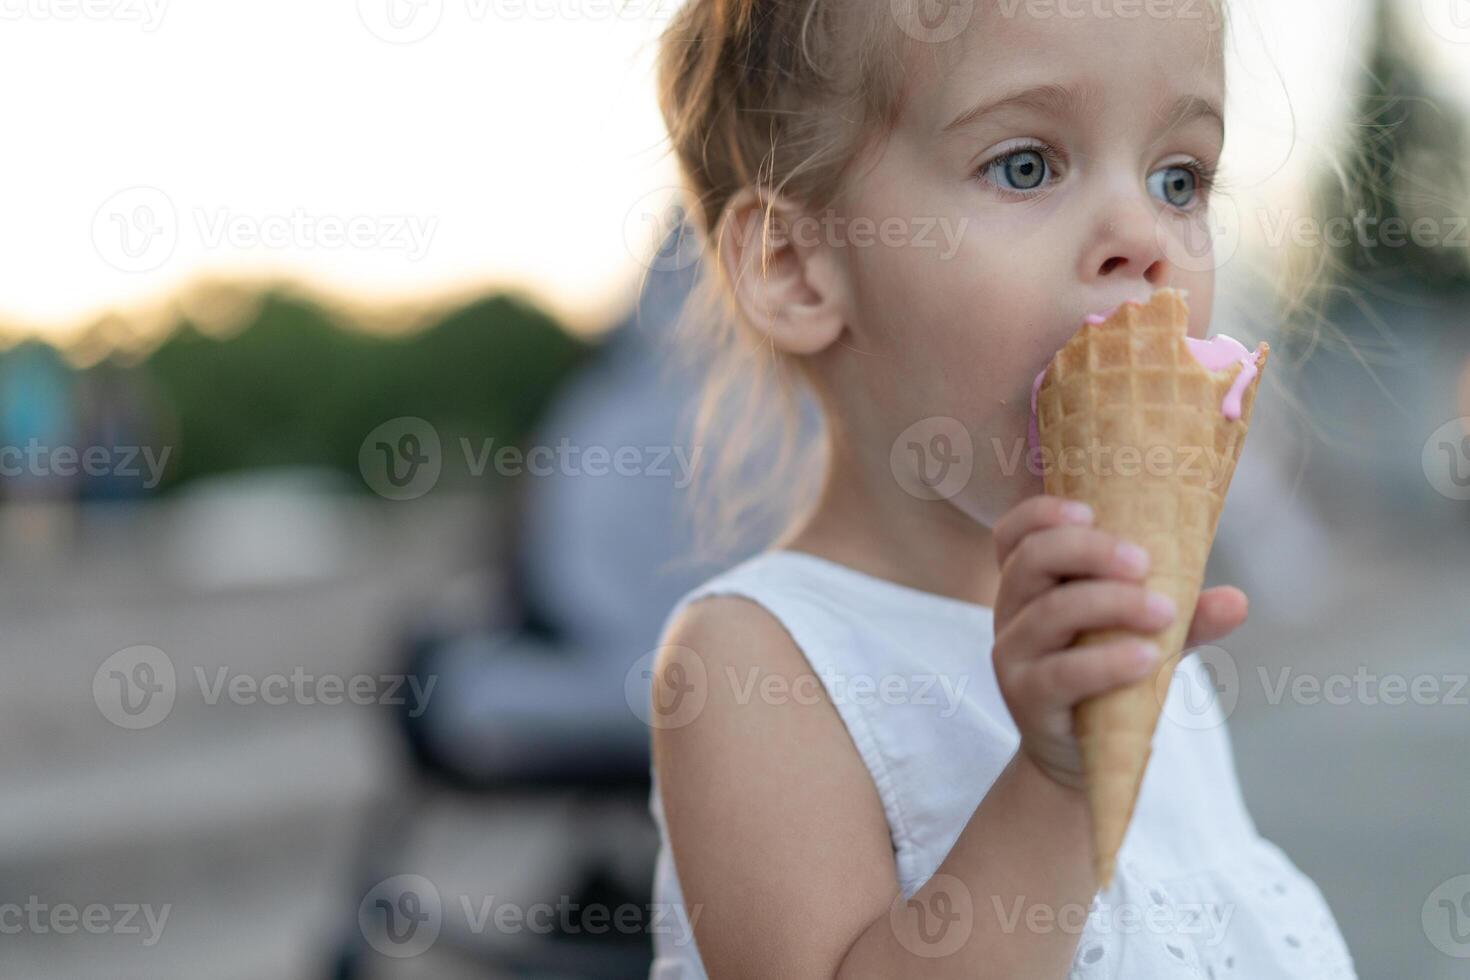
x=115, y=413
x=595, y=560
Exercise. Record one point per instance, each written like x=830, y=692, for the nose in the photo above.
x=1127, y=246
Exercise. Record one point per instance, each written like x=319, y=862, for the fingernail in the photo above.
x=1077, y=512
x=1160, y=607
x=1132, y=558
x=1145, y=654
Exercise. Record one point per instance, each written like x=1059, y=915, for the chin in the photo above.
x=1001, y=493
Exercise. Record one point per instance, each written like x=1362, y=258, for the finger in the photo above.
x=1060, y=680
x=1053, y=620
x=1045, y=558
x=1219, y=612
x=1032, y=514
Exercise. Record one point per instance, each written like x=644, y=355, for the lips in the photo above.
x=1033, y=434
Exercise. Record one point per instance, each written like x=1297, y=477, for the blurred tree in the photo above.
x=294, y=387
x=1406, y=164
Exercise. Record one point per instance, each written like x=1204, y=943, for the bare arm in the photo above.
x=1009, y=900
x=779, y=836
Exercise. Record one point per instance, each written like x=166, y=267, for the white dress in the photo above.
x=1197, y=892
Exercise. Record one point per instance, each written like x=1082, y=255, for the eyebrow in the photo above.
x=1188, y=108
x=1060, y=100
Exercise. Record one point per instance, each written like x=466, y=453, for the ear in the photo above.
x=789, y=282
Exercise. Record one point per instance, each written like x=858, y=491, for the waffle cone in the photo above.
x=1127, y=386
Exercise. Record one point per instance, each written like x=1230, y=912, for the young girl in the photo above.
x=863, y=757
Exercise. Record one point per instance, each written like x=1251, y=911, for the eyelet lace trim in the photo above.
x=1187, y=934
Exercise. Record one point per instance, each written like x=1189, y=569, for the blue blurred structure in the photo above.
x=35, y=411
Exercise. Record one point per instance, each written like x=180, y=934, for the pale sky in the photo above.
x=403, y=150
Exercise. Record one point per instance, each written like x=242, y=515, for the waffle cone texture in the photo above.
x=1132, y=424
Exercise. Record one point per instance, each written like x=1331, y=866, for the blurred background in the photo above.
x=342, y=462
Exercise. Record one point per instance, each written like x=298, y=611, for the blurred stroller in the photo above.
x=546, y=699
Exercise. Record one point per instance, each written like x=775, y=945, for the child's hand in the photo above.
x=1060, y=577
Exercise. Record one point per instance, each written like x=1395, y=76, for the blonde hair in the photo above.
x=782, y=96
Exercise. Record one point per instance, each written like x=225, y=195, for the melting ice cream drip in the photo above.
x=1220, y=352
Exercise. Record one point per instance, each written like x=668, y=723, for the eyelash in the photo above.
x=1206, y=175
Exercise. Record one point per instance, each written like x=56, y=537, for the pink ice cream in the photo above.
x=1215, y=354
x=1220, y=352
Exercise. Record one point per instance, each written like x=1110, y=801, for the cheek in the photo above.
x=960, y=339
x=1201, y=287
x=946, y=320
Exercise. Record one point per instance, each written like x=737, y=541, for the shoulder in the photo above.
x=714, y=622
x=768, y=803
x=733, y=654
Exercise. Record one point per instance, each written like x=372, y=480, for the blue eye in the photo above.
x=1023, y=170
x=1176, y=186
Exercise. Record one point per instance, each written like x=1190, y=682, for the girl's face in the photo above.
x=1058, y=165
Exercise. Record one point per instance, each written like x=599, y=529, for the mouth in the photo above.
x=1139, y=296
